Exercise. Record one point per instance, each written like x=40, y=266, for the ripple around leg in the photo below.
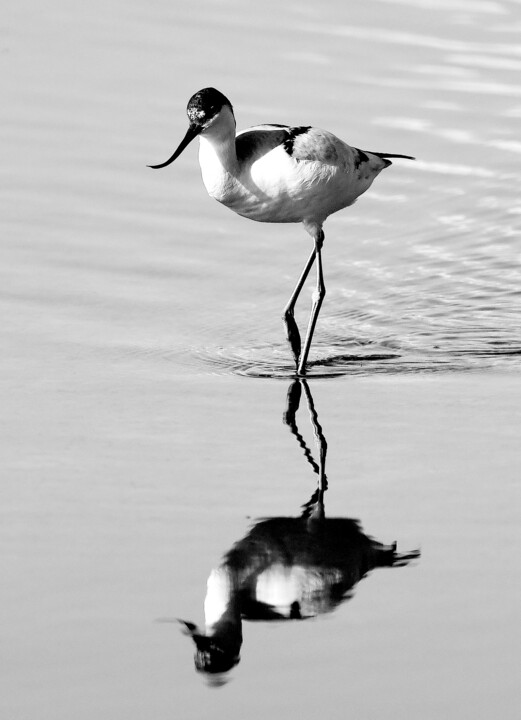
x=333, y=361
x=274, y=362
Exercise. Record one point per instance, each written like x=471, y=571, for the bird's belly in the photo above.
x=263, y=208
x=276, y=188
x=282, y=587
x=289, y=199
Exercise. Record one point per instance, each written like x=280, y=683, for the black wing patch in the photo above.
x=292, y=133
x=252, y=144
x=259, y=141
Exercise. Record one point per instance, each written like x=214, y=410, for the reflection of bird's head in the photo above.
x=212, y=655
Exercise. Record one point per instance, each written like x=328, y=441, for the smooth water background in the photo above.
x=137, y=440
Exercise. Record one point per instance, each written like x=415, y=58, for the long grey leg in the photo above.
x=318, y=297
x=292, y=331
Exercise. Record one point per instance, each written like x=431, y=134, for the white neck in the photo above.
x=218, y=142
x=220, y=597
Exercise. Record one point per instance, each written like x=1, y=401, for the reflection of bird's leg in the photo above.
x=289, y=419
x=320, y=440
x=314, y=508
x=292, y=405
x=292, y=331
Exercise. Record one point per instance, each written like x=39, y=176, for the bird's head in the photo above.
x=205, y=109
x=213, y=654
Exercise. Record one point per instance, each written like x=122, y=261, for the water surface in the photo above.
x=144, y=371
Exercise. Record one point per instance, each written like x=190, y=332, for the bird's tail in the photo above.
x=384, y=156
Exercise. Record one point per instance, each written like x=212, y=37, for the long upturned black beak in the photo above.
x=193, y=132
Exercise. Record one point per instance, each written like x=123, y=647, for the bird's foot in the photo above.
x=301, y=369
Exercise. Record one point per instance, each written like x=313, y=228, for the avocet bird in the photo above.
x=279, y=174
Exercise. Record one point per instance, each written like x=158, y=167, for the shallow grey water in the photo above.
x=138, y=443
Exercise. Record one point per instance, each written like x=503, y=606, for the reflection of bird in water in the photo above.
x=286, y=568
x=279, y=174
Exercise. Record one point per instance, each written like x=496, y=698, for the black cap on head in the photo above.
x=205, y=104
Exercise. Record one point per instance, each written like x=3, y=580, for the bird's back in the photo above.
x=292, y=174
